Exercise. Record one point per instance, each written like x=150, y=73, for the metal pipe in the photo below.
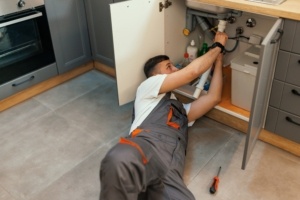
x=208, y=15
x=221, y=16
x=206, y=27
x=189, y=25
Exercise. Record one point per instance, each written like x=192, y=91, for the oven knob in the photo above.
x=21, y=3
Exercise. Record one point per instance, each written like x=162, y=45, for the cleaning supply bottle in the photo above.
x=185, y=61
x=203, y=50
x=192, y=50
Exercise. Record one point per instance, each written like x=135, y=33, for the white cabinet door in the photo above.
x=138, y=34
x=141, y=31
x=262, y=89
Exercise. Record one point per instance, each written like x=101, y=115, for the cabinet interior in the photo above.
x=263, y=26
x=225, y=105
x=226, y=95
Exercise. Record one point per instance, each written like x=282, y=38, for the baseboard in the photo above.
x=280, y=142
x=105, y=69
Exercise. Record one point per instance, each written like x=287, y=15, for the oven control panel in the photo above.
x=21, y=3
x=13, y=6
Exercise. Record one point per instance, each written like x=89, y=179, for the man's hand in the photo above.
x=221, y=37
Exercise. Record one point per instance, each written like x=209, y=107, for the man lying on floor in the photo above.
x=149, y=163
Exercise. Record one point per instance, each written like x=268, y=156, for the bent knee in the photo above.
x=119, y=156
x=121, y=163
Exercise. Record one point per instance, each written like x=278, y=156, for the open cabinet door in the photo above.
x=262, y=88
x=175, y=21
x=138, y=34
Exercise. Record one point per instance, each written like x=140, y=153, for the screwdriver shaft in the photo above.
x=219, y=170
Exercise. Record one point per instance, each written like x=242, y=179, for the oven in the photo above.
x=26, y=51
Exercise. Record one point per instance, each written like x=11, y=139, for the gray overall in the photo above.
x=148, y=164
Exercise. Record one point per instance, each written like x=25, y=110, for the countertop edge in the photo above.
x=288, y=9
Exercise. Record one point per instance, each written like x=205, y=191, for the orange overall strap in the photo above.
x=169, y=123
x=125, y=141
x=135, y=132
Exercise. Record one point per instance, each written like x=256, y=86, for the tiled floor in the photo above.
x=51, y=147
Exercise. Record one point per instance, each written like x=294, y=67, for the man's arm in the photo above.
x=206, y=102
x=194, y=69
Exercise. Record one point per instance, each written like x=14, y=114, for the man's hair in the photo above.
x=152, y=62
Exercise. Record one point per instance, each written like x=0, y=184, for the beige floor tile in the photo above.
x=205, y=141
x=72, y=89
x=41, y=153
x=99, y=114
x=51, y=147
x=82, y=182
x=20, y=115
x=4, y=195
x=269, y=174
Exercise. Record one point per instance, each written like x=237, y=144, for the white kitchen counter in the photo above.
x=288, y=9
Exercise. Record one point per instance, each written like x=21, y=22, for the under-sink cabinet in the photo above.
x=145, y=28
x=283, y=117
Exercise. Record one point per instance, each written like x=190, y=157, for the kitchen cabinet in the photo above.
x=141, y=30
x=283, y=116
x=69, y=32
x=100, y=31
x=99, y=23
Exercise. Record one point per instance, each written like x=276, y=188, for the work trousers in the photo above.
x=148, y=164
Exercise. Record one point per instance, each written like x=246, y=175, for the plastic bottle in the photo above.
x=185, y=61
x=192, y=50
x=203, y=50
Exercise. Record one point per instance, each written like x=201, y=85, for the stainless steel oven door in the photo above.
x=19, y=38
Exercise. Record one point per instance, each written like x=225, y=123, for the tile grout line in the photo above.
x=67, y=102
x=66, y=172
x=222, y=147
x=7, y=192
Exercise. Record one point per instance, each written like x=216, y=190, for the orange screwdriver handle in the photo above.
x=214, y=186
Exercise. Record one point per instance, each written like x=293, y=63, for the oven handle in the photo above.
x=20, y=83
x=37, y=14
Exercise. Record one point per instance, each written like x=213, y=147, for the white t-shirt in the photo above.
x=147, y=97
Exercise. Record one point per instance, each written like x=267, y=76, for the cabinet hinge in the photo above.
x=280, y=31
x=164, y=5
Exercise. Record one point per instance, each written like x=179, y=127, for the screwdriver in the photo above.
x=214, y=186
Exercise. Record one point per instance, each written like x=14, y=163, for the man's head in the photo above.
x=158, y=65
